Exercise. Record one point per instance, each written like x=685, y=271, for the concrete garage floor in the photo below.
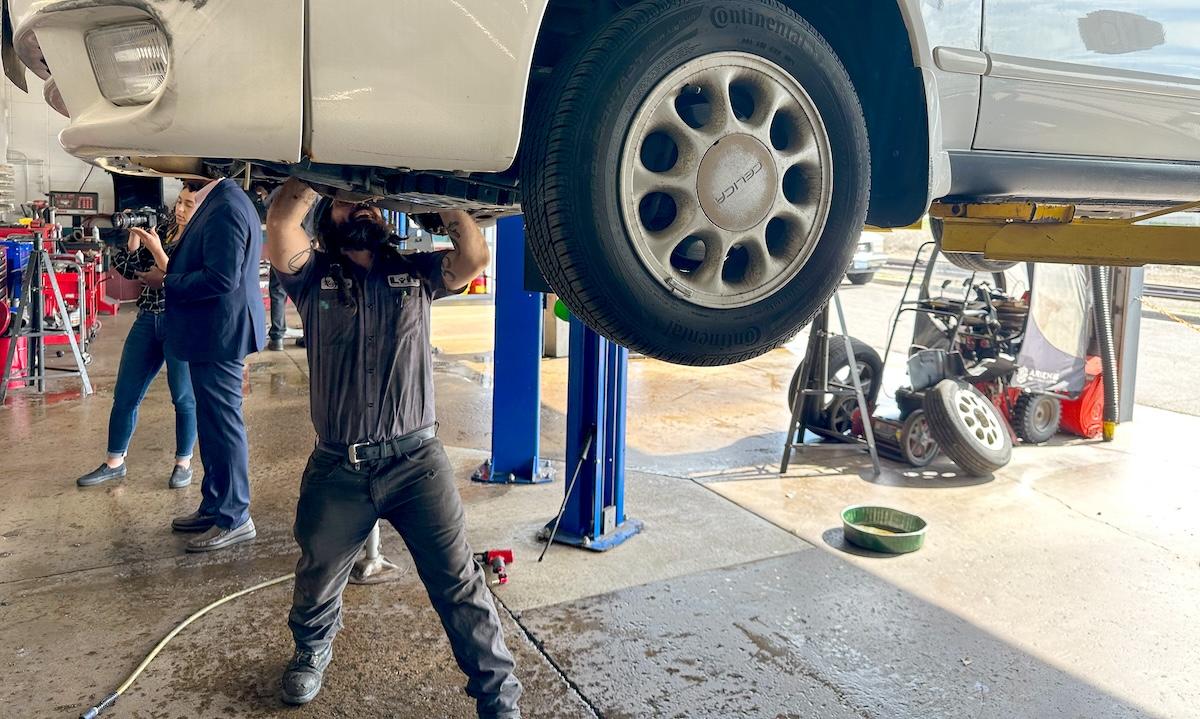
x=1064, y=586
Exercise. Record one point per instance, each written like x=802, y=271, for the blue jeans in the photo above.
x=141, y=359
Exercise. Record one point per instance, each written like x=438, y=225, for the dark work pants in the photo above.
x=339, y=505
x=226, y=458
x=278, y=328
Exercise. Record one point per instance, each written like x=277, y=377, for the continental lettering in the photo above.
x=748, y=336
x=722, y=17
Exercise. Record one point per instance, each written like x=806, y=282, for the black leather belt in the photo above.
x=370, y=451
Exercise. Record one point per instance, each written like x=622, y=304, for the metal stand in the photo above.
x=516, y=394
x=29, y=321
x=593, y=511
x=814, y=387
x=372, y=567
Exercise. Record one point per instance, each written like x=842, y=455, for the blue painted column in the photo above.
x=517, y=361
x=594, y=513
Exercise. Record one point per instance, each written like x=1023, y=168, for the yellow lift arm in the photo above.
x=1034, y=232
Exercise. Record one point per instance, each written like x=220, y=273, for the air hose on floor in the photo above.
x=1102, y=302
x=112, y=698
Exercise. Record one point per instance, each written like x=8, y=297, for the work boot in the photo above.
x=180, y=477
x=194, y=522
x=217, y=538
x=103, y=473
x=275, y=344
x=302, y=679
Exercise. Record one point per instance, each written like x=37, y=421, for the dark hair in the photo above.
x=194, y=185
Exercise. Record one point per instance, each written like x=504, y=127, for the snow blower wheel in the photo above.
x=1036, y=417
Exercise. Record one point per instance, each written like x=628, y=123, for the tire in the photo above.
x=967, y=260
x=1036, y=417
x=917, y=445
x=579, y=185
x=870, y=366
x=861, y=278
x=968, y=427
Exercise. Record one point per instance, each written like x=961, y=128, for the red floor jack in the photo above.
x=497, y=560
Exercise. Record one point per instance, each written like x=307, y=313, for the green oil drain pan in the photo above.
x=883, y=529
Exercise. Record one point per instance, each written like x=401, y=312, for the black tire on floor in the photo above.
x=870, y=367
x=917, y=445
x=571, y=157
x=967, y=427
x=1036, y=417
x=967, y=260
x=860, y=278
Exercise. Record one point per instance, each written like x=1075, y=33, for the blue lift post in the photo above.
x=594, y=508
x=517, y=362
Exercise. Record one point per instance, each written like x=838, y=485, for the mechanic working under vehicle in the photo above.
x=378, y=455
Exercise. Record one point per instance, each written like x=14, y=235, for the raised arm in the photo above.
x=288, y=245
x=470, y=254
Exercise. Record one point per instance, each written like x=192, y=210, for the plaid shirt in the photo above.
x=129, y=263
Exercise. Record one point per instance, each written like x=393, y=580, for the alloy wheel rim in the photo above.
x=980, y=419
x=726, y=180
x=920, y=441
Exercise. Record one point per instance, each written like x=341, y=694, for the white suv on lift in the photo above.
x=694, y=174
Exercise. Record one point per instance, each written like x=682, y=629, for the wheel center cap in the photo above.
x=737, y=182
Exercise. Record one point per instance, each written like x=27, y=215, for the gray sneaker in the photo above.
x=103, y=473
x=180, y=477
x=302, y=679
x=217, y=538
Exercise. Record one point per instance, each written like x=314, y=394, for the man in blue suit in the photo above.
x=214, y=318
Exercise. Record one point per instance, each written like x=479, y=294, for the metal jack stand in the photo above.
x=593, y=510
x=29, y=321
x=516, y=395
x=372, y=567
x=814, y=386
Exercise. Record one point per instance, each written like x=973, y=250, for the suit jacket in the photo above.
x=214, y=305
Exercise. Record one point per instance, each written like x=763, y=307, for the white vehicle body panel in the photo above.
x=256, y=113
x=420, y=84
x=1092, y=77
x=441, y=84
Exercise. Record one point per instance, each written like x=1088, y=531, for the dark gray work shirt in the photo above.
x=370, y=363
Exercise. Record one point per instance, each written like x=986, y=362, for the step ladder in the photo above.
x=29, y=322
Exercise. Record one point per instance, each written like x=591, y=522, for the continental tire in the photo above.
x=740, y=115
x=968, y=427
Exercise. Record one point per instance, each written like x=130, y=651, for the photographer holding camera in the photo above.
x=144, y=355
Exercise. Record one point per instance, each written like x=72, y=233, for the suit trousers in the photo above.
x=225, y=491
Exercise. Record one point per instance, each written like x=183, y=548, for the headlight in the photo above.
x=130, y=61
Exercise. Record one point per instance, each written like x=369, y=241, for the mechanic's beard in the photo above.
x=361, y=234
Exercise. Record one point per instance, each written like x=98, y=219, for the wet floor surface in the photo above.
x=1063, y=586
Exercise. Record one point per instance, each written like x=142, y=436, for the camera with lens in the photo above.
x=145, y=218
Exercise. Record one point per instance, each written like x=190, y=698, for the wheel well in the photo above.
x=872, y=42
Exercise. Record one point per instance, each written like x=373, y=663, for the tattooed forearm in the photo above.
x=454, y=231
x=298, y=260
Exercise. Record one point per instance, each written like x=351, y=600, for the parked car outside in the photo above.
x=694, y=174
x=868, y=258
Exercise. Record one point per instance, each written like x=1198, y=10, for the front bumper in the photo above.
x=234, y=86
